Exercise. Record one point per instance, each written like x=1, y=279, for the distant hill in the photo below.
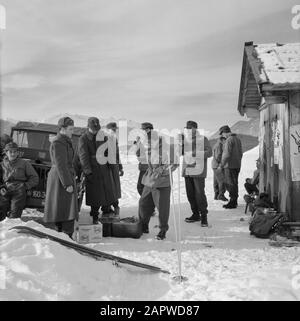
x=248, y=142
x=81, y=120
x=245, y=127
x=247, y=130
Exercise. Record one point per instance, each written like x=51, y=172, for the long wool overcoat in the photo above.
x=101, y=189
x=61, y=205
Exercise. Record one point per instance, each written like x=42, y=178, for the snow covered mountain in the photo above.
x=81, y=120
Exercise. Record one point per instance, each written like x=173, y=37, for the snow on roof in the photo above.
x=280, y=64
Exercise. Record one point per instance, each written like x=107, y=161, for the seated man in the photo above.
x=16, y=177
x=4, y=140
x=251, y=185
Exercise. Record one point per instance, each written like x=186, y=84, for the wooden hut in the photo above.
x=270, y=90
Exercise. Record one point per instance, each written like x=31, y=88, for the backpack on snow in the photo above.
x=265, y=223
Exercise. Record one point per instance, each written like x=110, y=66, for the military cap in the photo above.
x=191, y=124
x=112, y=125
x=146, y=125
x=224, y=129
x=65, y=122
x=94, y=123
x=11, y=146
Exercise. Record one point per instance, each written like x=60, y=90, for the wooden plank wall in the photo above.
x=283, y=183
x=294, y=101
x=262, y=151
x=287, y=173
x=274, y=181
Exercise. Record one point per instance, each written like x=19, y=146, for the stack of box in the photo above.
x=87, y=232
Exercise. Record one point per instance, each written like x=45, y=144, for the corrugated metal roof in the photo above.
x=280, y=63
x=267, y=68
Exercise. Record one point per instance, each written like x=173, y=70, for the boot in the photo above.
x=204, y=222
x=145, y=228
x=193, y=218
x=216, y=196
x=231, y=204
x=107, y=210
x=95, y=219
x=221, y=197
x=161, y=235
x=117, y=211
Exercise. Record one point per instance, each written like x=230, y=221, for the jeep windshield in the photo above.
x=33, y=140
x=34, y=145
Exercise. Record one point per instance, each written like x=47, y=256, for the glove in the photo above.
x=70, y=189
x=3, y=190
x=121, y=172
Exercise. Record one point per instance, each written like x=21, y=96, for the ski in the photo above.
x=85, y=250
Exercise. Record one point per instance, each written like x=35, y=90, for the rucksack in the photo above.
x=264, y=223
x=263, y=200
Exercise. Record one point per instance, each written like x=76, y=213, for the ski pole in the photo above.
x=175, y=222
x=173, y=200
x=179, y=219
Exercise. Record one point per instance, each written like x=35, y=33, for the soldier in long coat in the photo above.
x=61, y=207
x=100, y=189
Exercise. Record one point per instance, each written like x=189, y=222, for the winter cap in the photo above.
x=11, y=146
x=112, y=125
x=65, y=122
x=93, y=123
x=224, y=129
x=146, y=125
x=191, y=124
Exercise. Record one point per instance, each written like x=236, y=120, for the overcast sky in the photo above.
x=163, y=61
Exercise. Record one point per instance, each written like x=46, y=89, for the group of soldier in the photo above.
x=102, y=179
x=195, y=149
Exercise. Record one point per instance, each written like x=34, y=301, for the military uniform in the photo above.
x=17, y=176
x=194, y=170
x=61, y=206
x=157, y=187
x=219, y=176
x=231, y=162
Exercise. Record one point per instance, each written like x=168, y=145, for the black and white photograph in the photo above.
x=149, y=152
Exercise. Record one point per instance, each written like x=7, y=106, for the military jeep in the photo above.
x=34, y=141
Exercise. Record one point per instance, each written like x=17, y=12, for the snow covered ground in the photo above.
x=222, y=262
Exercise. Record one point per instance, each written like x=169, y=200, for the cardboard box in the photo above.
x=89, y=234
